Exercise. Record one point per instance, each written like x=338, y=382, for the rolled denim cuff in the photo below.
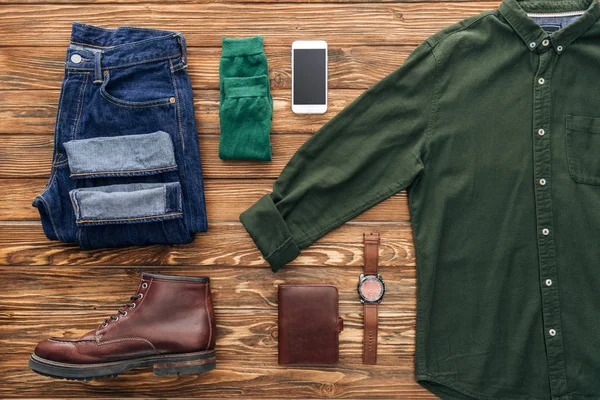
x=130, y=155
x=242, y=46
x=270, y=233
x=127, y=203
x=253, y=86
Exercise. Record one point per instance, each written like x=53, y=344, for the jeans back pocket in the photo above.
x=583, y=149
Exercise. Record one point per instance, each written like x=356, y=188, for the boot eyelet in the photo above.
x=144, y=285
x=124, y=313
x=132, y=305
x=116, y=319
x=141, y=295
x=104, y=325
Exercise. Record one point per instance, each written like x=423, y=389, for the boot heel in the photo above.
x=188, y=364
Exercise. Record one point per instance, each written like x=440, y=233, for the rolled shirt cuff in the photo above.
x=270, y=233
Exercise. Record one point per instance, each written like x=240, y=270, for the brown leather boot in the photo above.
x=169, y=325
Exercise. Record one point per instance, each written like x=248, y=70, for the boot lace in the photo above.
x=123, y=312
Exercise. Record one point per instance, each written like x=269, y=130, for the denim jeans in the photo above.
x=126, y=168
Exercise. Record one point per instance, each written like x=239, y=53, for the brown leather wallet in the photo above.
x=309, y=324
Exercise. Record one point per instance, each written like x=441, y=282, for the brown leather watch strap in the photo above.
x=371, y=256
x=370, y=334
x=371, y=253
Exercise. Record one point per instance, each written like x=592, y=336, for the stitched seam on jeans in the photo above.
x=179, y=199
x=79, y=107
x=125, y=45
x=123, y=172
x=75, y=205
x=82, y=71
x=178, y=106
x=150, y=104
x=50, y=182
x=127, y=64
x=142, y=104
x=60, y=164
x=85, y=221
x=50, y=216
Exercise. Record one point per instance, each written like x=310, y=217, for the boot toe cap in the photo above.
x=55, y=350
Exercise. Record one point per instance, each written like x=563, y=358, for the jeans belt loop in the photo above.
x=98, y=67
x=181, y=40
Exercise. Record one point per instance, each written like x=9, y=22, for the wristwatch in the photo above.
x=371, y=290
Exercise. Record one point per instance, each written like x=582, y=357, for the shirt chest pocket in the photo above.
x=583, y=149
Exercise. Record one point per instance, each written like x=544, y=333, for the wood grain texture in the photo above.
x=29, y=156
x=281, y=23
x=224, y=245
x=84, y=289
x=34, y=111
x=231, y=379
x=349, y=67
x=226, y=199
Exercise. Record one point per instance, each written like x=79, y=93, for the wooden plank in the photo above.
x=225, y=200
x=280, y=24
x=225, y=245
x=231, y=379
x=34, y=111
x=29, y=156
x=349, y=67
x=248, y=334
x=213, y=1
x=59, y=289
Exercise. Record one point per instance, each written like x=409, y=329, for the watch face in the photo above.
x=371, y=289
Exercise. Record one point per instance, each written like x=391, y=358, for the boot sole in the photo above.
x=166, y=364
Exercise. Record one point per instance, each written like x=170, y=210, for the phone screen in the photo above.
x=310, y=76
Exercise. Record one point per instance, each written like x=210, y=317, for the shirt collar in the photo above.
x=515, y=12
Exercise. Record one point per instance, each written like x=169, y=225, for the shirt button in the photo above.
x=545, y=232
x=542, y=181
x=532, y=44
x=541, y=132
x=545, y=42
x=552, y=332
x=76, y=58
x=548, y=282
x=541, y=81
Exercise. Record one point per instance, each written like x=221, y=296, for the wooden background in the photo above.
x=54, y=289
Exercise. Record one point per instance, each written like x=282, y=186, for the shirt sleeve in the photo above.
x=365, y=154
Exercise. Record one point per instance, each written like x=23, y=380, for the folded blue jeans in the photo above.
x=126, y=167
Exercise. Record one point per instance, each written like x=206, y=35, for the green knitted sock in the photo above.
x=246, y=107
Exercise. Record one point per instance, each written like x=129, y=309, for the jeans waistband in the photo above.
x=93, y=47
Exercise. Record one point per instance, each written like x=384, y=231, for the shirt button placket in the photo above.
x=545, y=238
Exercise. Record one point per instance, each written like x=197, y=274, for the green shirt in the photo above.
x=493, y=127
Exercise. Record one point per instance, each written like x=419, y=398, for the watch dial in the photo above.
x=371, y=289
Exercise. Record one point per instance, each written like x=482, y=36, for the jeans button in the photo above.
x=75, y=58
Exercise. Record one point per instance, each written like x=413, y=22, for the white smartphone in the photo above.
x=309, y=77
